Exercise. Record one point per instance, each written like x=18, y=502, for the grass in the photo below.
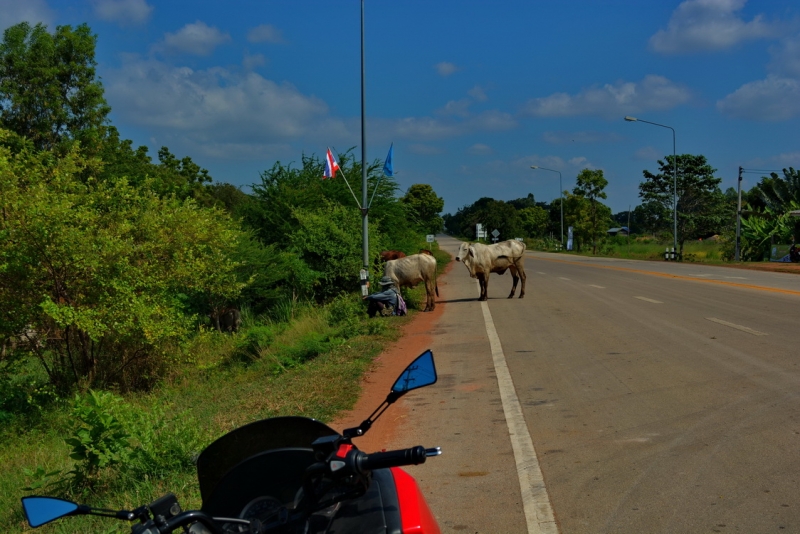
x=311, y=365
x=639, y=248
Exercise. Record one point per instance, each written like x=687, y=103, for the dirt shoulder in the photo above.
x=769, y=266
x=415, y=338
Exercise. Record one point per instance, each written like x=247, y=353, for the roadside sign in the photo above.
x=430, y=238
x=495, y=233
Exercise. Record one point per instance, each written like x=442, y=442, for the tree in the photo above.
x=652, y=217
x=424, y=206
x=701, y=204
x=590, y=185
x=535, y=220
x=102, y=273
x=48, y=90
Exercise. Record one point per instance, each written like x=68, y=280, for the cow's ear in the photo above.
x=472, y=252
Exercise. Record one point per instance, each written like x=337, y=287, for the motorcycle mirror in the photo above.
x=41, y=510
x=420, y=373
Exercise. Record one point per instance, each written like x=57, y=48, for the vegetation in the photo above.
x=112, y=378
x=701, y=208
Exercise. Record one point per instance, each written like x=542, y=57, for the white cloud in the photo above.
x=786, y=57
x=198, y=38
x=445, y=69
x=265, y=33
x=249, y=62
x=707, y=25
x=458, y=108
x=612, y=101
x=434, y=129
x=123, y=11
x=649, y=153
x=480, y=149
x=478, y=94
x=31, y=11
x=215, y=109
x=562, y=138
x=424, y=150
x=772, y=99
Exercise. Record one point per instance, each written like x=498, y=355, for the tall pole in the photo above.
x=364, y=208
x=739, y=215
x=674, y=180
x=561, y=194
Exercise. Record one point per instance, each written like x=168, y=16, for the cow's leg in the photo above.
x=430, y=303
x=515, y=279
x=523, y=277
x=483, y=280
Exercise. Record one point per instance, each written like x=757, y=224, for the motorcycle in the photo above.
x=288, y=475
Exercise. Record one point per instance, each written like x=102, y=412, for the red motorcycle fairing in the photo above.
x=415, y=515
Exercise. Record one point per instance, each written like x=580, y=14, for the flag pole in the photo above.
x=381, y=178
x=339, y=168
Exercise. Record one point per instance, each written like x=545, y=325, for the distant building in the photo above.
x=618, y=231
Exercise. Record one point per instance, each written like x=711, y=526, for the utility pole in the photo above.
x=738, y=215
x=364, y=207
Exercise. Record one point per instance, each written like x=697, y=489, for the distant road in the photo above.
x=659, y=397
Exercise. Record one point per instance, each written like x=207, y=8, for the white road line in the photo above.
x=598, y=287
x=702, y=275
x=737, y=326
x=562, y=278
x=649, y=300
x=535, y=501
x=540, y=272
x=737, y=277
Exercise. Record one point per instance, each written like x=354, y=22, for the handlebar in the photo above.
x=380, y=460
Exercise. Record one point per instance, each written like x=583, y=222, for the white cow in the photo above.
x=411, y=270
x=481, y=260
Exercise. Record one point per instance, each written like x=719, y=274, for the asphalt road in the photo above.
x=659, y=397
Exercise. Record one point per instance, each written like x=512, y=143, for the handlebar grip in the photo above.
x=379, y=460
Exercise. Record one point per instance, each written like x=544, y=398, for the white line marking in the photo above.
x=737, y=277
x=702, y=275
x=737, y=326
x=535, y=501
x=649, y=300
x=540, y=272
x=562, y=278
x=598, y=287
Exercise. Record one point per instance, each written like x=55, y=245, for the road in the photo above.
x=658, y=397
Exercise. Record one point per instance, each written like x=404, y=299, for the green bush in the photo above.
x=253, y=341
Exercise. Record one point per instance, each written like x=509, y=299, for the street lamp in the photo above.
x=674, y=181
x=561, y=193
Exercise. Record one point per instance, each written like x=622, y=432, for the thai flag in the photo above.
x=330, y=166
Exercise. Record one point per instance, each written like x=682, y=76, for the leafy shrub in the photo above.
x=253, y=341
x=99, y=440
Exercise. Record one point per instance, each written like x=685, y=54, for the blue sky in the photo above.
x=471, y=93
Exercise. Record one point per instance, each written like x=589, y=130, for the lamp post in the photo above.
x=561, y=193
x=674, y=181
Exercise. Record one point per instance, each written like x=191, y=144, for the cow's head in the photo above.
x=463, y=251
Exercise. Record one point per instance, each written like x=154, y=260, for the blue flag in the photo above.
x=388, y=166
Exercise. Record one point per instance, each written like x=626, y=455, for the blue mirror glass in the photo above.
x=41, y=510
x=421, y=373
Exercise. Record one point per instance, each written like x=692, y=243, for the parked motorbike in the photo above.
x=288, y=475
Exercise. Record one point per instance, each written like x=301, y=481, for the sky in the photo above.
x=471, y=93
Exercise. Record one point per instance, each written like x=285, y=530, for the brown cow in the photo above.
x=388, y=255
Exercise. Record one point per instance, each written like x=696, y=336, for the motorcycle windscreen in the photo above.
x=253, y=439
